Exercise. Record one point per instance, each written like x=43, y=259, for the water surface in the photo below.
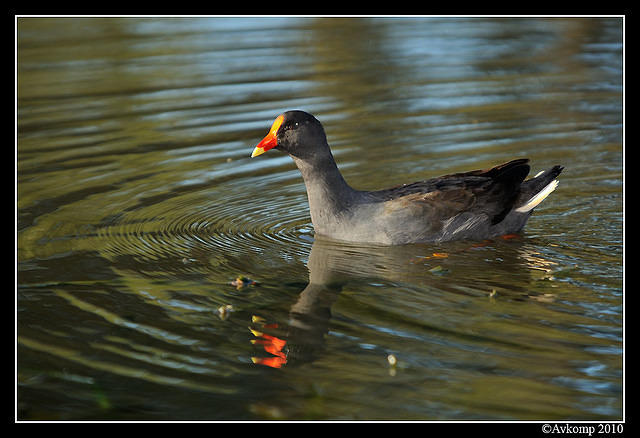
x=138, y=207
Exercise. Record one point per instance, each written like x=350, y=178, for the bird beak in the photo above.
x=270, y=141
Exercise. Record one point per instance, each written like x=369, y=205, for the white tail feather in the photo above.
x=539, y=197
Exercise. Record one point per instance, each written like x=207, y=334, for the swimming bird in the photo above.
x=475, y=205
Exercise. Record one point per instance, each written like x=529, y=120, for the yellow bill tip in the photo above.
x=257, y=151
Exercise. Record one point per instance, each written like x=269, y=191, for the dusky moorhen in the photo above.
x=475, y=205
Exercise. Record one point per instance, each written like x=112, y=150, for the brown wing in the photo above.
x=491, y=192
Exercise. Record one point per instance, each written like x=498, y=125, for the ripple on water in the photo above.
x=194, y=227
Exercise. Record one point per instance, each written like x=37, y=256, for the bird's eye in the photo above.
x=291, y=125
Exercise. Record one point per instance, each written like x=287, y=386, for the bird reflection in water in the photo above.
x=333, y=265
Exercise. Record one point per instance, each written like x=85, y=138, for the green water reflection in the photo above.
x=138, y=206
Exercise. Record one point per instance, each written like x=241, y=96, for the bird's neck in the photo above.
x=329, y=194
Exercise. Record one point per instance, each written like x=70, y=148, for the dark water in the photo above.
x=138, y=206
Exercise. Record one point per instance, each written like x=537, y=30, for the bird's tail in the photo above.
x=539, y=187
